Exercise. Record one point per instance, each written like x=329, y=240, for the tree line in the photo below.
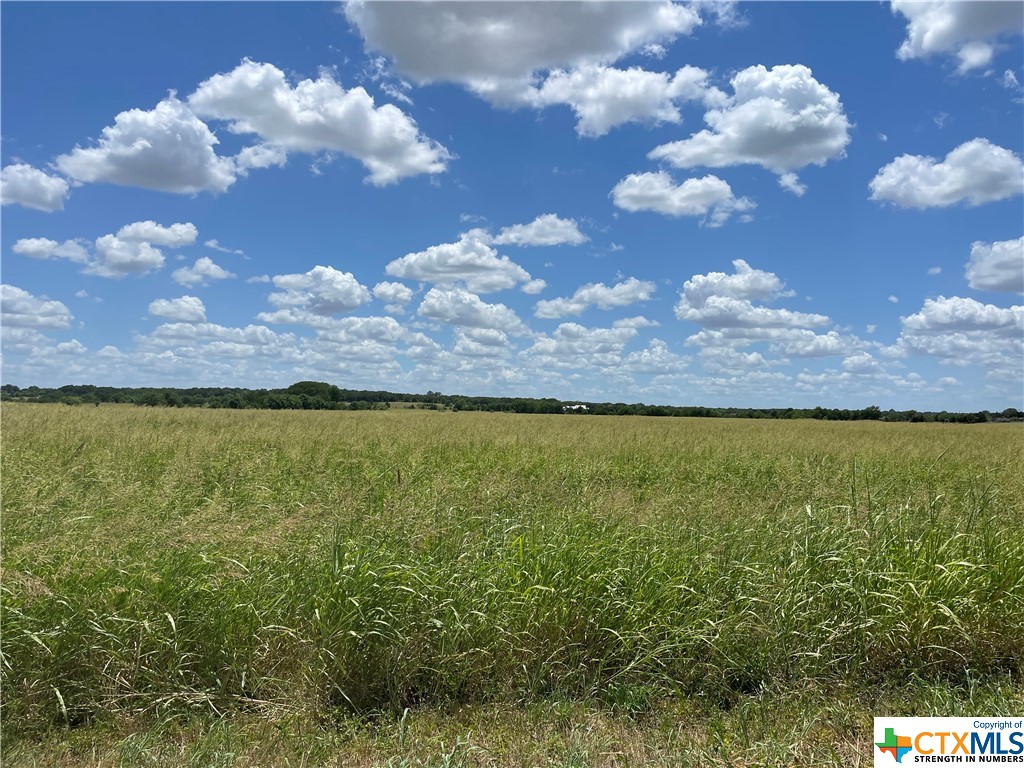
x=316, y=395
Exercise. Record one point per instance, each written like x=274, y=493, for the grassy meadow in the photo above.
x=417, y=588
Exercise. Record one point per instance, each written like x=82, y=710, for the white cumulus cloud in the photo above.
x=320, y=291
x=481, y=343
x=967, y=29
x=943, y=315
x=604, y=98
x=726, y=312
x=260, y=156
x=21, y=184
x=547, y=229
x=961, y=332
x=20, y=309
x=395, y=295
x=791, y=183
x=598, y=294
x=575, y=346
x=117, y=258
x=73, y=347
x=470, y=261
x=456, y=306
x=186, y=309
x=315, y=116
x=709, y=197
x=780, y=118
x=480, y=43
x=203, y=270
x=656, y=358
x=997, y=266
x=745, y=283
x=516, y=54
x=724, y=305
x=166, y=148
x=174, y=236
x=976, y=172
x=44, y=248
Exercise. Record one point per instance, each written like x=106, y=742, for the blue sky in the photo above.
x=754, y=204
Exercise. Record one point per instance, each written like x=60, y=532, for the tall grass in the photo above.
x=161, y=561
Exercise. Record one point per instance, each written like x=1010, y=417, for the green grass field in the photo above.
x=407, y=588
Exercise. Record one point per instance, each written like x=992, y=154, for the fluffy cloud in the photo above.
x=117, y=258
x=862, y=363
x=657, y=358
x=804, y=343
x=997, y=266
x=21, y=184
x=321, y=291
x=547, y=229
x=724, y=305
x=501, y=51
x=976, y=172
x=745, y=283
x=725, y=312
x=260, y=156
x=725, y=360
x=481, y=343
x=20, y=341
x=167, y=148
x=967, y=29
x=199, y=273
x=604, y=97
x=73, y=347
x=371, y=341
x=184, y=333
x=211, y=349
x=709, y=197
x=395, y=295
x=130, y=251
x=314, y=116
x=348, y=329
x=43, y=248
x=957, y=314
x=961, y=332
x=470, y=261
x=174, y=236
x=789, y=342
x=462, y=308
x=20, y=309
x=575, y=346
x=377, y=342
x=187, y=309
x=862, y=379
x=606, y=297
x=480, y=43
x=791, y=183
x=781, y=119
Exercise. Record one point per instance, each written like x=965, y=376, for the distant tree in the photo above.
x=326, y=392
x=871, y=413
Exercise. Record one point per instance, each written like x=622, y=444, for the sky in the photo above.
x=720, y=204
